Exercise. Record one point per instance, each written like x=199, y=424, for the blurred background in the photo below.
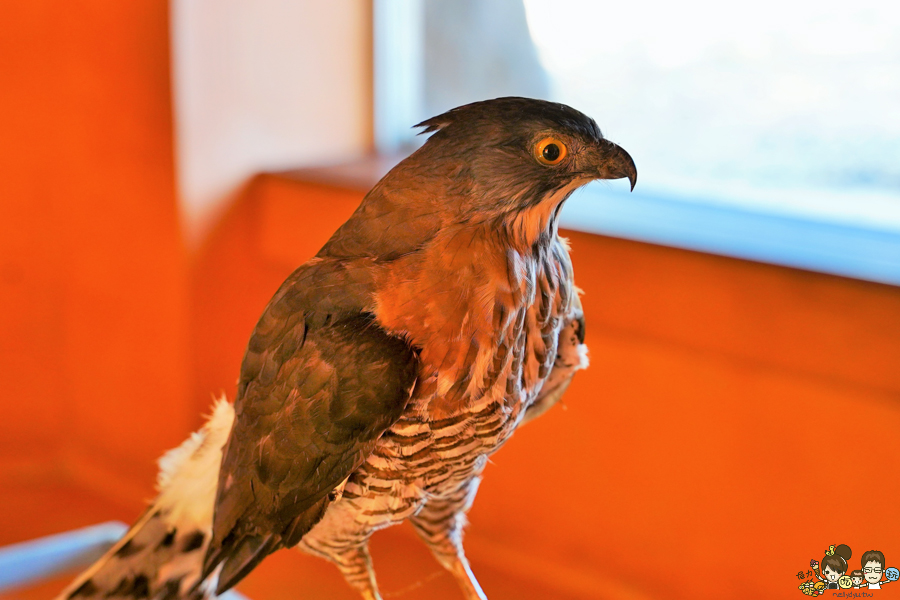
x=167, y=164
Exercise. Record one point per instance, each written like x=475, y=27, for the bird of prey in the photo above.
x=385, y=370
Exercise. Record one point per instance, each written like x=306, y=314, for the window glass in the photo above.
x=787, y=106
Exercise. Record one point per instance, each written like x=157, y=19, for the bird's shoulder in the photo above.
x=317, y=347
x=320, y=293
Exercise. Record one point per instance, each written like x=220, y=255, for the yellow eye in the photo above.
x=550, y=151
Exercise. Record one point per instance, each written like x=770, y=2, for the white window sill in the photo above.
x=856, y=250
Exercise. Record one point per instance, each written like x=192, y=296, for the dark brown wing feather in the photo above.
x=320, y=383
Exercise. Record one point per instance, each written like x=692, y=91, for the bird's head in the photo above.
x=507, y=163
x=512, y=158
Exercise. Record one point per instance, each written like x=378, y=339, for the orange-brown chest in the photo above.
x=485, y=317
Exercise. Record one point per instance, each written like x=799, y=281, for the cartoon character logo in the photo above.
x=873, y=568
x=834, y=566
x=832, y=572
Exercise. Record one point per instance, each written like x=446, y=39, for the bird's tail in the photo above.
x=161, y=556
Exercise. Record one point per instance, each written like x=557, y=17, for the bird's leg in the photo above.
x=355, y=565
x=440, y=524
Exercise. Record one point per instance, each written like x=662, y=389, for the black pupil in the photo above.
x=550, y=152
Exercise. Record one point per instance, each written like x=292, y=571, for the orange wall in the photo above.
x=93, y=301
x=727, y=431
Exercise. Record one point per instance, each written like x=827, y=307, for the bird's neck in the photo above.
x=529, y=226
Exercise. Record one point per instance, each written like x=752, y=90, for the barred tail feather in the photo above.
x=161, y=556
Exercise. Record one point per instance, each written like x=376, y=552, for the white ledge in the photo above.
x=850, y=250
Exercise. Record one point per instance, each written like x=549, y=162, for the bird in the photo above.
x=385, y=371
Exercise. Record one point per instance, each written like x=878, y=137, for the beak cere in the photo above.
x=615, y=163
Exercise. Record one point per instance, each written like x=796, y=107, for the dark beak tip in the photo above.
x=618, y=164
x=629, y=168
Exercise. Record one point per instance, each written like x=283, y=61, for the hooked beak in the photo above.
x=615, y=163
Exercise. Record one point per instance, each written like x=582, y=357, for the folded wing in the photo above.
x=320, y=383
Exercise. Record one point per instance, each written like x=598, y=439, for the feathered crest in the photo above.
x=514, y=109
